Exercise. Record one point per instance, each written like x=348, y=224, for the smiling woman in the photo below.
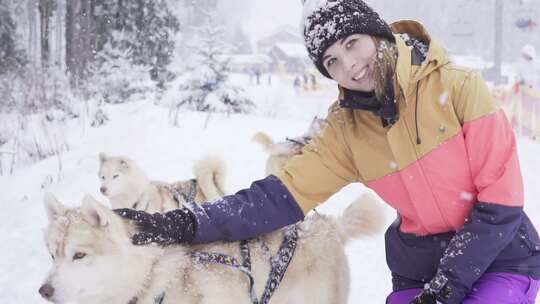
x=351, y=44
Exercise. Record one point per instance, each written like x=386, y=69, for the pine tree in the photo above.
x=11, y=56
x=241, y=41
x=115, y=78
x=156, y=33
x=146, y=28
x=206, y=87
x=46, y=9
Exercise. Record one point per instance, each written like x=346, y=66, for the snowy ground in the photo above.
x=143, y=132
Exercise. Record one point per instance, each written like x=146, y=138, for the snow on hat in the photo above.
x=529, y=51
x=328, y=21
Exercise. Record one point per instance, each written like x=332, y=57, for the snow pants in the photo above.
x=494, y=287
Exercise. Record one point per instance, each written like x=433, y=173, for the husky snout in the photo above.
x=103, y=190
x=46, y=291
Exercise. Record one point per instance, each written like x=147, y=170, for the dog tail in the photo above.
x=264, y=140
x=364, y=216
x=210, y=174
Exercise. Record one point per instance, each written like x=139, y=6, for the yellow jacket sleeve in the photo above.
x=324, y=166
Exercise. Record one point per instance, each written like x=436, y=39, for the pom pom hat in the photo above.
x=328, y=21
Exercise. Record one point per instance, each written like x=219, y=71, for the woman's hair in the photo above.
x=384, y=67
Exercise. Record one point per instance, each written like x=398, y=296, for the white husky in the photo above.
x=127, y=186
x=280, y=152
x=94, y=261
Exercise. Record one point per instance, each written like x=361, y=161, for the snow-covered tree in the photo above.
x=206, y=86
x=147, y=30
x=242, y=44
x=156, y=35
x=46, y=9
x=12, y=59
x=11, y=56
x=115, y=78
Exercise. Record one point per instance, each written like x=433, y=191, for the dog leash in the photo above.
x=278, y=264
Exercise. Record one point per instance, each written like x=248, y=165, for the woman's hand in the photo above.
x=425, y=297
x=176, y=226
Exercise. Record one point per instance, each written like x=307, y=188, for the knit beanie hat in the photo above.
x=328, y=21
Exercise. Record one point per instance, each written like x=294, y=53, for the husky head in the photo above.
x=120, y=178
x=294, y=145
x=316, y=127
x=93, y=258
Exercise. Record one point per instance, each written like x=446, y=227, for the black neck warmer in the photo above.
x=386, y=108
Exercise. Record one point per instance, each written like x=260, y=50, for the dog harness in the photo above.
x=278, y=263
x=181, y=194
x=299, y=141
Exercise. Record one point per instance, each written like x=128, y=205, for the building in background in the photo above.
x=282, y=34
x=286, y=50
x=289, y=57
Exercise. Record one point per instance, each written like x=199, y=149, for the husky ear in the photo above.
x=124, y=164
x=53, y=206
x=102, y=157
x=94, y=212
x=317, y=125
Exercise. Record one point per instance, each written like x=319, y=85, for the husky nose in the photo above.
x=103, y=190
x=46, y=291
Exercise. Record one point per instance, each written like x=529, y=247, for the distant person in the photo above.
x=297, y=84
x=313, y=79
x=306, y=81
x=526, y=109
x=258, y=76
x=251, y=76
x=528, y=68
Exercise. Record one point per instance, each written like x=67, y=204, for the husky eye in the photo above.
x=79, y=255
x=102, y=177
x=115, y=176
x=52, y=256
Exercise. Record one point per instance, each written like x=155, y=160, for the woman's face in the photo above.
x=350, y=61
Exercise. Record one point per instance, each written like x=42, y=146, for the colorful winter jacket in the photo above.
x=449, y=166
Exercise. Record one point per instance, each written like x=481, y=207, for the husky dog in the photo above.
x=280, y=152
x=94, y=261
x=127, y=186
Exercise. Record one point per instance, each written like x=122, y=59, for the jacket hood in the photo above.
x=436, y=57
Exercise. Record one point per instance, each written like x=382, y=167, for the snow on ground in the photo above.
x=144, y=132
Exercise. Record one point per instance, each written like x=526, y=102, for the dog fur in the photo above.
x=126, y=185
x=95, y=262
x=280, y=152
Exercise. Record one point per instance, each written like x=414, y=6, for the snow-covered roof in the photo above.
x=250, y=59
x=285, y=33
x=287, y=28
x=293, y=50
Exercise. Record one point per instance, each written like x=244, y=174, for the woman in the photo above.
x=425, y=136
